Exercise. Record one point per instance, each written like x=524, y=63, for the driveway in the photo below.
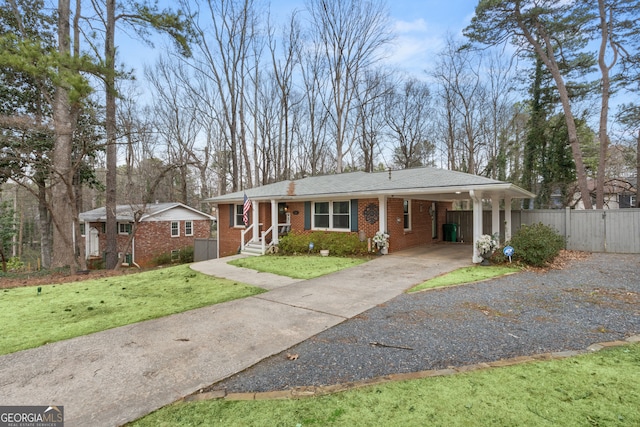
x=115, y=376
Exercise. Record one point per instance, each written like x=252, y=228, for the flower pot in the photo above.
x=384, y=250
x=485, y=259
x=324, y=252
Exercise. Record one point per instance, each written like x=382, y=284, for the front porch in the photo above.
x=413, y=220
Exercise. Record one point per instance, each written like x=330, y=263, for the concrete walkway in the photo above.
x=112, y=377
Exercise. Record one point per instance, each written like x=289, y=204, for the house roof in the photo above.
x=126, y=212
x=427, y=182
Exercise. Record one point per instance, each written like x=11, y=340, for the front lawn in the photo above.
x=297, y=266
x=69, y=310
x=465, y=275
x=598, y=389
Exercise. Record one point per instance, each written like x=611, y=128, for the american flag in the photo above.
x=245, y=210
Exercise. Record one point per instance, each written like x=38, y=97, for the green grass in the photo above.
x=297, y=267
x=465, y=275
x=69, y=310
x=598, y=389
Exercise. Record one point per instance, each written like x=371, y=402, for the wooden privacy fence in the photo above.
x=598, y=230
x=204, y=249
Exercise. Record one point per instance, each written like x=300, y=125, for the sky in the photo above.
x=420, y=28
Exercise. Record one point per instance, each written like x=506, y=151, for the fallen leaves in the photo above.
x=292, y=356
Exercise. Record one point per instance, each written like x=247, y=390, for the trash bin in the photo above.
x=450, y=232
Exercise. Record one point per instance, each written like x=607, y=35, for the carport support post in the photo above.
x=274, y=222
x=382, y=213
x=495, y=216
x=256, y=221
x=507, y=219
x=476, y=198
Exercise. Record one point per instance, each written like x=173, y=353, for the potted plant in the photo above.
x=381, y=240
x=486, y=246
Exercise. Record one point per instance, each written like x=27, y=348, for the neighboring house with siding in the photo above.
x=619, y=193
x=409, y=204
x=164, y=228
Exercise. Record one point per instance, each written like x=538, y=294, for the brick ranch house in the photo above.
x=410, y=205
x=164, y=228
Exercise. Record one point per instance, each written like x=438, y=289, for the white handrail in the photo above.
x=243, y=233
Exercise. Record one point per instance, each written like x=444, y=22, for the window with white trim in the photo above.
x=175, y=228
x=406, y=207
x=82, y=228
x=124, y=228
x=332, y=215
x=188, y=228
x=238, y=222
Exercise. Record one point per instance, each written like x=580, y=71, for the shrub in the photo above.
x=339, y=244
x=14, y=264
x=186, y=255
x=536, y=244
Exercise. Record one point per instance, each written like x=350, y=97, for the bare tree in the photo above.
x=224, y=44
x=370, y=117
x=284, y=64
x=408, y=118
x=458, y=73
x=350, y=35
x=314, y=131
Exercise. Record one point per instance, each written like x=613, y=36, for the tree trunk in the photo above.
x=638, y=170
x=62, y=173
x=604, y=108
x=111, y=248
x=547, y=55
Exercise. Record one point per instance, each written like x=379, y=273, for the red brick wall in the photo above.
x=420, y=233
x=421, y=224
x=228, y=237
x=154, y=238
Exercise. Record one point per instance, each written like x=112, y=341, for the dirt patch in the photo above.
x=561, y=261
x=603, y=295
x=40, y=279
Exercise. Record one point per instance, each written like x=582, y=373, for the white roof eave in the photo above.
x=436, y=193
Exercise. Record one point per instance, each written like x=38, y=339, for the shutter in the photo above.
x=307, y=215
x=232, y=214
x=354, y=214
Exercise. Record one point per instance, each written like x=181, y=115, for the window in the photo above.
x=332, y=215
x=188, y=228
x=82, y=229
x=406, y=207
x=175, y=229
x=124, y=228
x=238, y=216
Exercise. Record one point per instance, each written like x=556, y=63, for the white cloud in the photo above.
x=418, y=25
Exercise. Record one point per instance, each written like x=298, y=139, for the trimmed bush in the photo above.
x=536, y=244
x=339, y=244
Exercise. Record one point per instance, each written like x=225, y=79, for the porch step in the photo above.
x=252, y=248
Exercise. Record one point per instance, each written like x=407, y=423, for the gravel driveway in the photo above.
x=589, y=301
